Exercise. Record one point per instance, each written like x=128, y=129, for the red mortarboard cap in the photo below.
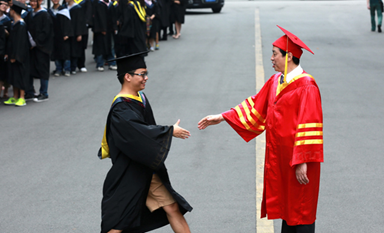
x=294, y=43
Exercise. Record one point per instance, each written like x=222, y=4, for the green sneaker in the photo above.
x=20, y=102
x=10, y=101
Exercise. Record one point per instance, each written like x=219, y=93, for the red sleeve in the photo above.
x=309, y=131
x=248, y=118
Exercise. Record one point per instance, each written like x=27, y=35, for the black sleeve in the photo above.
x=2, y=41
x=65, y=25
x=143, y=143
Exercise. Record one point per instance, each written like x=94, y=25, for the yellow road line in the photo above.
x=262, y=225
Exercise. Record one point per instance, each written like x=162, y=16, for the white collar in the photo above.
x=297, y=71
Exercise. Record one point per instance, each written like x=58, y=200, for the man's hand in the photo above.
x=79, y=38
x=179, y=132
x=301, y=173
x=65, y=37
x=210, y=120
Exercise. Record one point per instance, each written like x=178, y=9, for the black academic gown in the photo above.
x=138, y=42
x=62, y=27
x=178, y=11
x=101, y=23
x=153, y=9
x=5, y=24
x=165, y=8
x=138, y=148
x=40, y=27
x=126, y=29
x=79, y=28
x=18, y=48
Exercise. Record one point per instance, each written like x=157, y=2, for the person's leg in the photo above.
x=59, y=68
x=287, y=229
x=305, y=228
x=176, y=219
x=44, y=87
x=115, y=231
x=379, y=18
x=99, y=61
x=178, y=29
x=373, y=21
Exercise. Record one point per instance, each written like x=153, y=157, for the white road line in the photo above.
x=262, y=225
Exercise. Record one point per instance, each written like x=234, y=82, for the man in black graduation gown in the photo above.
x=102, y=26
x=137, y=193
x=87, y=8
x=137, y=43
x=40, y=27
x=5, y=27
x=61, y=53
x=79, y=29
x=18, y=56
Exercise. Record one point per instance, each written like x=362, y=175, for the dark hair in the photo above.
x=120, y=77
x=294, y=59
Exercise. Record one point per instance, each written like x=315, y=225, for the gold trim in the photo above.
x=254, y=111
x=310, y=125
x=242, y=119
x=280, y=87
x=309, y=133
x=309, y=142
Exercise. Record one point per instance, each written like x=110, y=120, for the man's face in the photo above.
x=55, y=2
x=138, y=81
x=278, y=61
x=3, y=6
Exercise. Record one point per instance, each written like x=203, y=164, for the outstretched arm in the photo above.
x=179, y=132
x=210, y=120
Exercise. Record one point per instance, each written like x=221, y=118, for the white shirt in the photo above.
x=297, y=71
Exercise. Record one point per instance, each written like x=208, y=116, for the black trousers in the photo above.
x=297, y=229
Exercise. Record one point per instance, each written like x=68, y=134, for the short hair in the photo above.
x=121, y=76
x=294, y=59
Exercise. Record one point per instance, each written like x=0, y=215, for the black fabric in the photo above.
x=165, y=8
x=285, y=228
x=18, y=48
x=3, y=70
x=178, y=11
x=40, y=64
x=102, y=24
x=40, y=27
x=154, y=9
x=87, y=8
x=138, y=42
x=138, y=148
x=79, y=29
x=62, y=27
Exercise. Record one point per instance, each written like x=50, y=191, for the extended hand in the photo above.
x=210, y=120
x=179, y=132
x=301, y=173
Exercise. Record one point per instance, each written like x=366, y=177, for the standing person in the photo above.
x=79, y=29
x=138, y=21
x=153, y=15
x=375, y=5
x=18, y=56
x=61, y=53
x=165, y=8
x=87, y=8
x=101, y=33
x=289, y=108
x=5, y=26
x=137, y=193
x=40, y=27
x=179, y=7
x=113, y=20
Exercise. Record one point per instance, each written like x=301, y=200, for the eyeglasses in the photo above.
x=143, y=75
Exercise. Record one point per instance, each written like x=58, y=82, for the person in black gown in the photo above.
x=137, y=193
x=18, y=56
x=178, y=10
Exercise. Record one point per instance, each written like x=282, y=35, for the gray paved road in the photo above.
x=52, y=180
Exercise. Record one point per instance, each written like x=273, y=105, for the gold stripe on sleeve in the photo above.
x=242, y=119
x=310, y=125
x=309, y=142
x=254, y=111
x=309, y=133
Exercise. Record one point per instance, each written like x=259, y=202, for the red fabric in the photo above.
x=299, y=103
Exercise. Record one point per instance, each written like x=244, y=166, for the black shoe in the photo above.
x=379, y=28
x=40, y=98
x=29, y=97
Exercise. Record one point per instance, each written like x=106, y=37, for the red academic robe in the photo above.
x=293, y=121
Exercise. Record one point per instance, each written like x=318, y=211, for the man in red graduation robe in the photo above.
x=288, y=108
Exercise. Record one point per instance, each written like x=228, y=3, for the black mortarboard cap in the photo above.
x=18, y=6
x=131, y=62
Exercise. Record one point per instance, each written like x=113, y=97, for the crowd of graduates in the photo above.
x=32, y=36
